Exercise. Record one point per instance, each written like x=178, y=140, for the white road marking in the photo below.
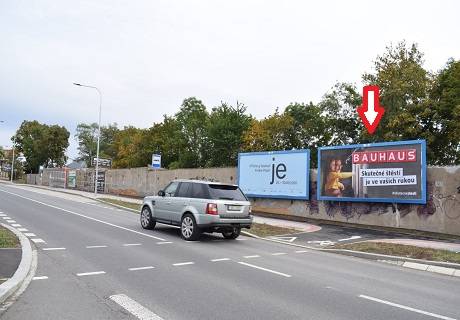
x=52, y=249
x=301, y=251
x=93, y=247
x=285, y=239
x=2, y=214
x=38, y=240
x=278, y=253
x=242, y=239
x=133, y=307
x=322, y=242
x=132, y=244
x=16, y=225
x=221, y=259
x=6, y=218
x=83, y=216
x=22, y=229
x=11, y=221
x=183, y=264
x=90, y=273
x=253, y=256
x=30, y=234
x=406, y=307
x=351, y=238
x=265, y=269
x=141, y=268
x=40, y=278
x=164, y=242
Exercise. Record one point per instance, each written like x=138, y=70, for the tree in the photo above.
x=87, y=142
x=308, y=130
x=193, y=119
x=2, y=153
x=42, y=145
x=404, y=87
x=225, y=131
x=130, y=146
x=269, y=134
x=442, y=116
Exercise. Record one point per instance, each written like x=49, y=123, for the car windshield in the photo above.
x=226, y=192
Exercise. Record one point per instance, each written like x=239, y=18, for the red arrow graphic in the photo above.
x=371, y=111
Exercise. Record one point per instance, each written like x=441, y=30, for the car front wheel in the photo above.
x=232, y=233
x=189, y=229
x=147, y=221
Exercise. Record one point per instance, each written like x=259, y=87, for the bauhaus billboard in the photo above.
x=275, y=174
x=378, y=172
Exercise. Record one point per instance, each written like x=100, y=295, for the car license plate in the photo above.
x=234, y=208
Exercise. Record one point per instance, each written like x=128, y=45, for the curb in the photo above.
x=117, y=205
x=446, y=268
x=25, y=267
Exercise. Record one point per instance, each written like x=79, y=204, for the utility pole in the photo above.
x=98, y=133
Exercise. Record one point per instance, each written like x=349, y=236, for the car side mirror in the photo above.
x=161, y=193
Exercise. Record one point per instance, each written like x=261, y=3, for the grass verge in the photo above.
x=258, y=229
x=266, y=230
x=8, y=239
x=403, y=251
x=122, y=203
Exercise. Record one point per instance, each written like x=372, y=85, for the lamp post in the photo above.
x=98, y=133
x=12, y=162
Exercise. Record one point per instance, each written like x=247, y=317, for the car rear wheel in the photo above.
x=147, y=221
x=232, y=233
x=189, y=229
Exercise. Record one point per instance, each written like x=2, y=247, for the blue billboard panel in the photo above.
x=275, y=174
x=376, y=172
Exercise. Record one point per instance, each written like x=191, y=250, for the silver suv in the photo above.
x=198, y=206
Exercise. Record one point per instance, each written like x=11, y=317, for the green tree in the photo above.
x=270, y=134
x=42, y=145
x=193, y=119
x=225, y=131
x=441, y=116
x=86, y=136
x=404, y=87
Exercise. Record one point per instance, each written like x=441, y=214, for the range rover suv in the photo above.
x=198, y=206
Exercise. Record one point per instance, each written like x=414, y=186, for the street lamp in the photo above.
x=98, y=132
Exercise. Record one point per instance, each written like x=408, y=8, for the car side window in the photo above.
x=171, y=189
x=199, y=191
x=184, y=190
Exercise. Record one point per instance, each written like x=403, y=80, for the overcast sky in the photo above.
x=147, y=56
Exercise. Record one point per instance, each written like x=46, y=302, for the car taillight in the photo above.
x=211, y=208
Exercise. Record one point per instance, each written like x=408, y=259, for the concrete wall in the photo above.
x=440, y=214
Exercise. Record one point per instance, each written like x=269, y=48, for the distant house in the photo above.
x=77, y=165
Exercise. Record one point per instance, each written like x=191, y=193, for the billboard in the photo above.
x=72, y=179
x=275, y=174
x=376, y=172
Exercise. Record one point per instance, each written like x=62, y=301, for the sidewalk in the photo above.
x=454, y=247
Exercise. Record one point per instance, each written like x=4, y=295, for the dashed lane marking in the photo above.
x=242, y=239
x=52, y=249
x=16, y=225
x=132, y=244
x=301, y=251
x=265, y=269
x=40, y=278
x=90, y=273
x=133, y=307
x=164, y=242
x=141, y=268
x=22, y=229
x=94, y=247
x=278, y=253
x=29, y=234
x=84, y=216
x=11, y=221
x=434, y=315
x=221, y=259
x=38, y=240
x=6, y=218
x=251, y=257
x=183, y=264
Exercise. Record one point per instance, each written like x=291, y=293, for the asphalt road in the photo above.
x=96, y=262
